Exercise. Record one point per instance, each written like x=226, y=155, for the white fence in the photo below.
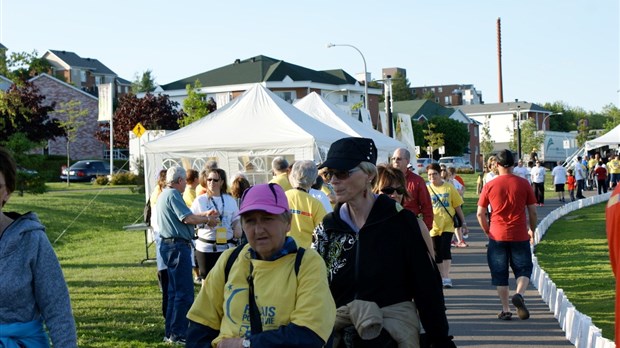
x=578, y=327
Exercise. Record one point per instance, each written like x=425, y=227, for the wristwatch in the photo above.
x=246, y=343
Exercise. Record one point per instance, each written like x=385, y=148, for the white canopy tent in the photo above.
x=321, y=109
x=243, y=136
x=610, y=138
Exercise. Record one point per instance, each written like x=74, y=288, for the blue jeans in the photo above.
x=177, y=257
x=516, y=254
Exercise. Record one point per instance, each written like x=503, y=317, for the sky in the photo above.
x=552, y=50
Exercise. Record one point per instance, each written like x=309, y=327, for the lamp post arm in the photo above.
x=366, y=104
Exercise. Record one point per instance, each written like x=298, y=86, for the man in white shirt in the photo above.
x=538, y=180
x=521, y=171
x=559, y=179
x=580, y=176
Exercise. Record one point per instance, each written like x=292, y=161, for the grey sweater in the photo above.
x=32, y=284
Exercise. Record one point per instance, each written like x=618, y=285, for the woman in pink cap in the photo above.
x=267, y=293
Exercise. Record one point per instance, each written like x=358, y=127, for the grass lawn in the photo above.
x=575, y=254
x=115, y=299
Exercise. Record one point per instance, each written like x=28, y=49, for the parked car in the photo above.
x=457, y=162
x=87, y=170
x=422, y=163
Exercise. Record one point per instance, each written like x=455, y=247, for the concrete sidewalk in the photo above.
x=473, y=303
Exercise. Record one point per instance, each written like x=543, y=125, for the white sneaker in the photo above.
x=447, y=283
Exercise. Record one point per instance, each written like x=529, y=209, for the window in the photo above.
x=83, y=75
x=98, y=80
x=289, y=96
x=439, y=89
x=446, y=100
x=433, y=89
x=345, y=98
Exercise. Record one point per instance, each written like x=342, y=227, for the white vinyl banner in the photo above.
x=105, y=101
x=404, y=132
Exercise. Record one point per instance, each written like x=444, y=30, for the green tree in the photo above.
x=612, y=114
x=144, y=83
x=153, y=111
x=26, y=181
x=20, y=66
x=458, y=140
x=434, y=139
x=400, y=88
x=22, y=111
x=73, y=120
x=486, y=142
x=430, y=95
x=583, y=132
x=195, y=105
x=530, y=137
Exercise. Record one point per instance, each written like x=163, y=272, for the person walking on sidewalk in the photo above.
x=538, y=181
x=559, y=179
x=509, y=236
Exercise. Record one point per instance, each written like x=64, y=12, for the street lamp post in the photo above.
x=366, y=104
x=430, y=152
x=546, y=117
x=519, y=131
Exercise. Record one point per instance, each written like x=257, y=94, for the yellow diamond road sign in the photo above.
x=138, y=130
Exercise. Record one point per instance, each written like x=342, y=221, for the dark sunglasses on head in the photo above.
x=389, y=190
x=214, y=180
x=339, y=174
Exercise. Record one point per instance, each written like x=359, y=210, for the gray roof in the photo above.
x=76, y=61
x=496, y=108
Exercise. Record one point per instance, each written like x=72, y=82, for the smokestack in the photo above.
x=499, y=60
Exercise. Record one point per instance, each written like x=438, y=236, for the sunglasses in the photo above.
x=389, y=190
x=340, y=174
x=214, y=180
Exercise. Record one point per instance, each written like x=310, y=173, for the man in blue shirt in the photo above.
x=177, y=230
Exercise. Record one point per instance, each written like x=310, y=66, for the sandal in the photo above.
x=504, y=316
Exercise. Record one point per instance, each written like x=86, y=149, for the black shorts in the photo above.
x=559, y=188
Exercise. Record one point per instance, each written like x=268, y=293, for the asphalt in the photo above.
x=473, y=304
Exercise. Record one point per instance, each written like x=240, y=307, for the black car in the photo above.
x=87, y=170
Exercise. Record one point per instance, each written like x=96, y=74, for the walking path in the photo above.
x=473, y=303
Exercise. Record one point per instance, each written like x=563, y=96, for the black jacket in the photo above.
x=393, y=264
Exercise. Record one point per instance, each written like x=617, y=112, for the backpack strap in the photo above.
x=231, y=259
x=233, y=256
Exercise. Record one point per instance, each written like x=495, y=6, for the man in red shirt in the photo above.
x=509, y=237
x=613, y=239
x=419, y=201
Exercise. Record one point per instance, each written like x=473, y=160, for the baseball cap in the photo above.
x=347, y=153
x=505, y=158
x=266, y=197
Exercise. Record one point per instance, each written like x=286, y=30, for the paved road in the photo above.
x=473, y=303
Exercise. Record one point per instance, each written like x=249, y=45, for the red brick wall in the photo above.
x=86, y=146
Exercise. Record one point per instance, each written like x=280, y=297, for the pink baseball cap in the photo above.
x=266, y=197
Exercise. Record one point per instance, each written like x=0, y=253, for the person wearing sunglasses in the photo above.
x=368, y=242
x=220, y=234
x=392, y=182
x=267, y=293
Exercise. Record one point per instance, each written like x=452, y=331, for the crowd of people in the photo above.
x=304, y=259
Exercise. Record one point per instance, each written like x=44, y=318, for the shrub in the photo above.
x=127, y=178
x=29, y=182
x=101, y=180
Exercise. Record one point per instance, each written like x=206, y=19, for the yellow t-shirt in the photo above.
x=614, y=166
x=592, y=163
x=189, y=195
x=450, y=198
x=307, y=212
x=281, y=296
x=282, y=180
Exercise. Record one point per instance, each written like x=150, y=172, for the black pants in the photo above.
x=539, y=192
x=580, y=184
x=601, y=186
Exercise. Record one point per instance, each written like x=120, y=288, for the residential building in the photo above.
x=449, y=95
x=502, y=119
x=86, y=146
x=287, y=80
x=393, y=71
x=84, y=73
x=422, y=110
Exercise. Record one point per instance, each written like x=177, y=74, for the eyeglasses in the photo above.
x=212, y=179
x=432, y=173
x=340, y=174
x=389, y=190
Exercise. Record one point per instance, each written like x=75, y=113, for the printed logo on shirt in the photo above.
x=299, y=212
